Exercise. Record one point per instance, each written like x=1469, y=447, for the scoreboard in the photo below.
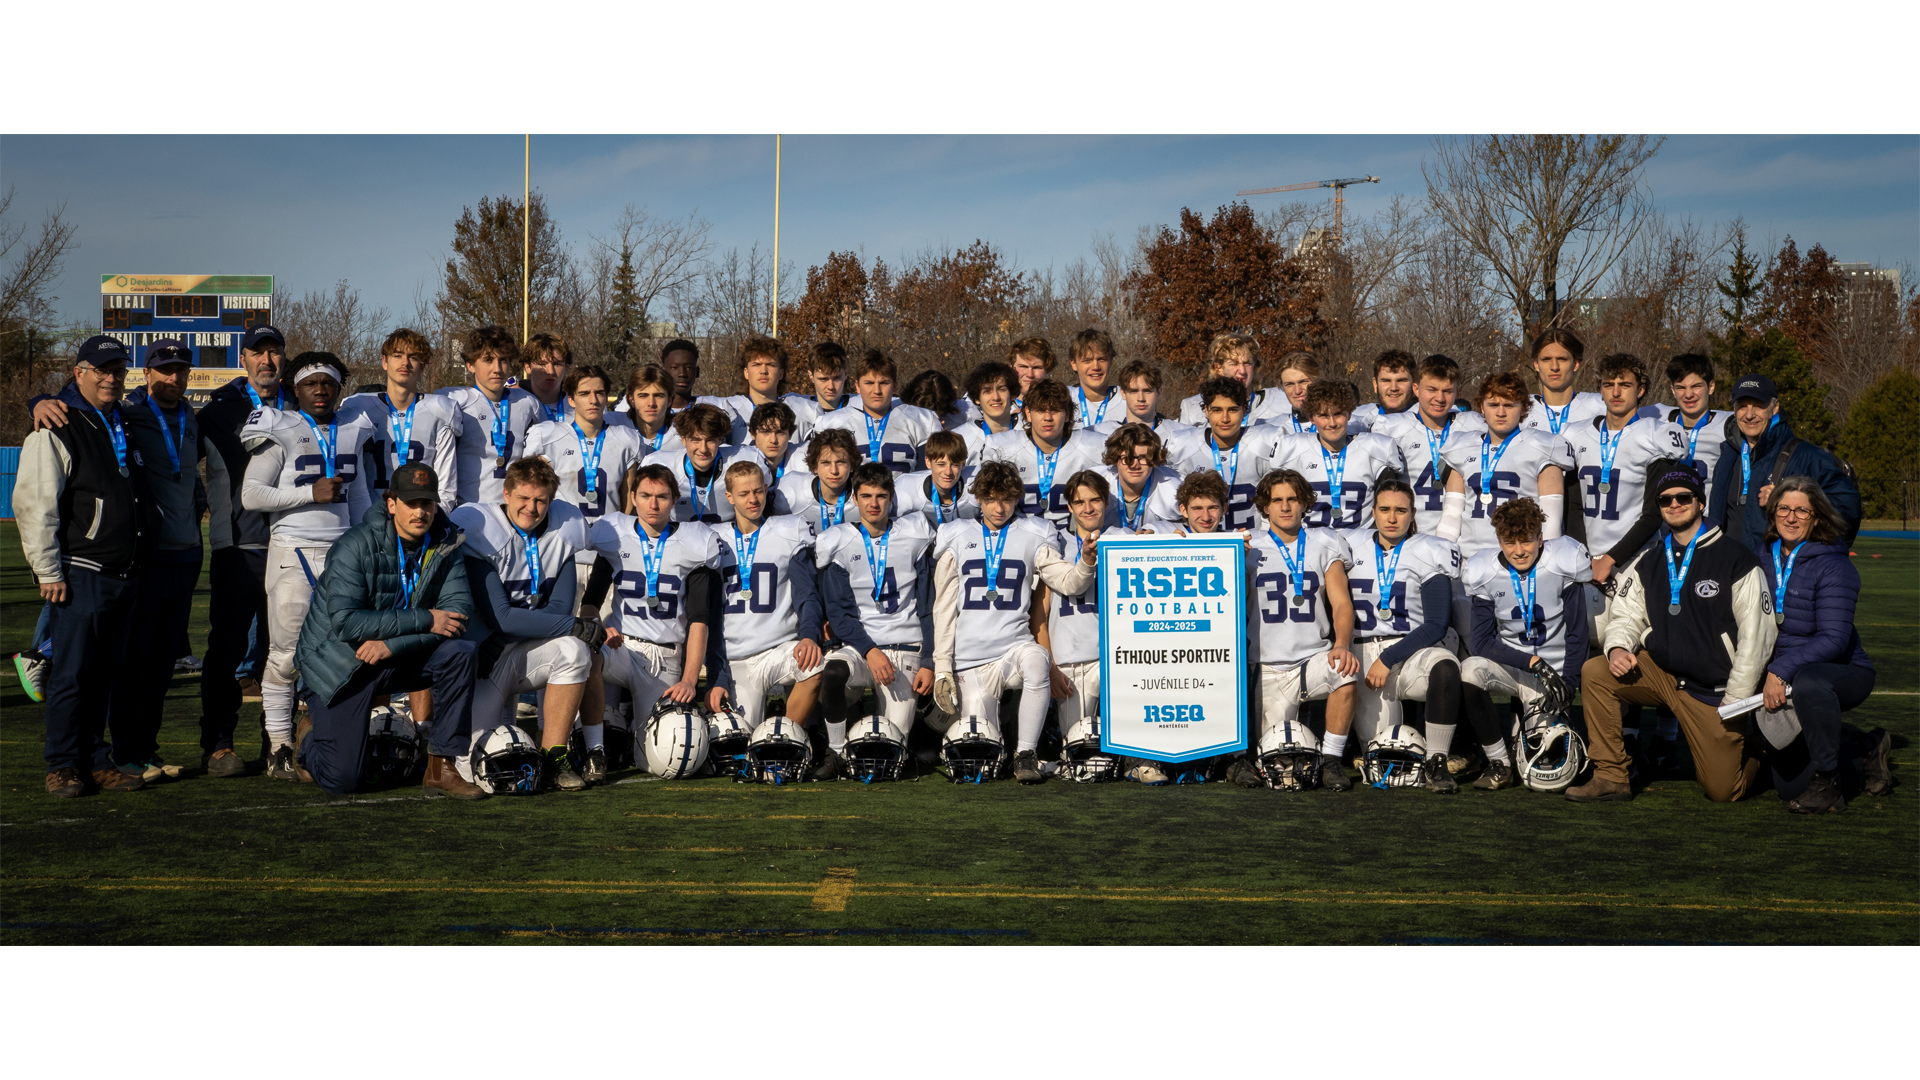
x=209, y=312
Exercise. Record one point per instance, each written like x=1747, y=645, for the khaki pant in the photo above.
x=1720, y=758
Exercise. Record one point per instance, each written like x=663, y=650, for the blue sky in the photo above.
x=378, y=211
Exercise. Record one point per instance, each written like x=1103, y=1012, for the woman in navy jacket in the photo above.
x=1818, y=663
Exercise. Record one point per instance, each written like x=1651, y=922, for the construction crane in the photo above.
x=1339, y=195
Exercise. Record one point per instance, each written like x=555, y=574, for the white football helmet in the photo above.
x=1396, y=757
x=677, y=740
x=1081, y=759
x=875, y=750
x=727, y=737
x=505, y=761
x=973, y=750
x=395, y=745
x=779, y=752
x=1551, y=756
x=1289, y=756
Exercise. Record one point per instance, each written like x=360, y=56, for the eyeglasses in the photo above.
x=1684, y=498
x=1793, y=512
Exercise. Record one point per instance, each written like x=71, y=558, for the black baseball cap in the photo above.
x=103, y=350
x=414, y=481
x=1681, y=476
x=1756, y=386
x=252, y=338
x=167, y=350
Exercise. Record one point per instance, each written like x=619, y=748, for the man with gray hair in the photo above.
x=1761, y=449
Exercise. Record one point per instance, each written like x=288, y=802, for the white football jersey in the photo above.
x=807, y=412
x=1241, y=466
x=761, y=611
x=1562, y=560
x=619, y=449
x=887, y=613
x=1543, y=417
x=1380, y=611
x=1287, y=605
x=1073, y=622
x=1368, y=417
x=1514, y=474
x=1620, y=461
x=287, y=456
x=1269, y=404
x=1158, y=500
x=494, y=537
x=1420, y=451
x=975, y=434
x=989, y=626
x=1045, y=475
x=486, y=447
x=913, y=494
x=703, y=496
x=799, y=495
x=686, y=546
x=1358, y=467
x=1090, y=412
x=662, y=441
x=1705, y=439
x=895, y=440
x=427, y=431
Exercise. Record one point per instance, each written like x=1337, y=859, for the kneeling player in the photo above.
x=1303, y=623
x=772, y=604
x=520, y=566
x=1070, y=629
x=1529, y=626
x=1402, y=588
x=985, y=576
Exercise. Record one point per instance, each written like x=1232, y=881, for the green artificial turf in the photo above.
x=258, y=861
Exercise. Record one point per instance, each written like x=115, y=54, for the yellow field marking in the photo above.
x=769, y=817
x=834, y=889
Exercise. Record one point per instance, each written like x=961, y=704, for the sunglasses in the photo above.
x=1684, y=498
x=168, y=354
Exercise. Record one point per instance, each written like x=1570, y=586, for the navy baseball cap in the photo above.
x=167, y=350
x=252, y=338
x=102, y=350
x=1758, y=387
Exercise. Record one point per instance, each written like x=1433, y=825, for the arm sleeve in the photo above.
x=1436, y=602
x=923, y=603
x=836, y=594
x=446, y=464
x=1757, y=634
x=44, y=468
x=1486, y=638
x=261, y=489
x=946, y=612
x=1573, y=608
x=1648, y=522
x=599, y=580
x=1453, y=508
x=704, y=604
x=527, y=624
x=806, y=595
x=1554, y=508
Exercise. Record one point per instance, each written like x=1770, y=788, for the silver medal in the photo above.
x=992, y=595
x=1605, y=487
x=658, y=603
x=1673, y=609
x=1485, y=498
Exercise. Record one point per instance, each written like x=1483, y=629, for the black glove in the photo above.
x=588, y=629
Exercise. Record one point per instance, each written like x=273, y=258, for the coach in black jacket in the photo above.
x=1690, y=626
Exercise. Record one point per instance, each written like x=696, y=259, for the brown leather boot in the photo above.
x=1598, y=790
x=443, y=779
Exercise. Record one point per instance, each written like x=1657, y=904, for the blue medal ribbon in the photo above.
x=501, y=409
x=326, y=441
x=174, y=447
x=1296, y=564
x=876, y=434
x=555, y=412
x=1384, y=573
x=662, y=433
x=701, y=499
x=1085, y=408
x=590, y=465
x=1487, y=467
x=1135, y=517
x=1043, y=467
x=117, y=434
x=1693, y=433
x=279, y=395
x=1780, y=576
x=533, y=560
x=1555, y=420
x=994, y=546
x=1608, y=448
x=401, y=432
x=744, y=547
x=1336, y=480
x=839, y=508
x=408, y=580
x=876, y=556
x=1677, y=578
x=1231, y=467
x=652, y=554
x=1525, y=594
x=940, y=509
x=1434, y=444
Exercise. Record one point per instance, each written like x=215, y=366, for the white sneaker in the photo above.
x=32, y=670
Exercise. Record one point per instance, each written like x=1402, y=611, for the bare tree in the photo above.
x=335, y=321
x=1662, y=298
x=30, y=270
x=1549, y=215
x=639, y=263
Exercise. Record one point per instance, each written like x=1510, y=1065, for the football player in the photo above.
x=763, y=368
x=1091, y=358
x=589, y=456
x=1067, y=625
x=1690, y=377
x=1046, y=450
x=1392, y=384
x=1341, y=466
x=1557, y=355
x=494, y=416
x=680, y=359
x=1139, y=384
x=826, y=371
x=1240, y=454
x=938, y=492
x=991, y=388
x=1504, y=462
x=876, y=583
x=1402, y=585
x=1141, y=488
x=1422, y=432
x=520, y=566
x=416, y=427
x=703, y=433
x=933, y=391
x=773, y=608
x=1614, y=452
x=305, y=475
x=986, y=573
x=1202, y=499
x=1298, y=372
x=1302, y=624
x=544, y=362
x=668, y=588
x=1529, y=631
x=820, y=494
x=1236, y=356
x=771, y=430
x=1032, y=359
x=644, y=408
x=885, y=430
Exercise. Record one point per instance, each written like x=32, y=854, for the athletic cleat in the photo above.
x=32, y=669
x=1026, y=767
x=1333, y=776
x=187, y=665
x=224, y=763
x=1877, y=770
x=1147, y=773
x=526, y=712
x=831, y=766
x=1437, y=778
x=64, y=783
x=1243, y=773
x=560, y=772
x=1497, y=775
x=1821, y=797
x=280, y=765
x=595, y=769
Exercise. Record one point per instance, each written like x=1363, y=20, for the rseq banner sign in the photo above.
x=1173, y=625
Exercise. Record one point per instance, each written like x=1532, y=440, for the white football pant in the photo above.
x=756, y=676
x=1025, y=667
x=1380, y=709
x=896, y=698
x=289, y=594
x=1283, y=687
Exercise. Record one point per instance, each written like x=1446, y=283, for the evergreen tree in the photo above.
x=626, y=316
x=1882, y=442
x=1740, y=350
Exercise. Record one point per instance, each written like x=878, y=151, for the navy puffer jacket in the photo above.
x=1821, y=593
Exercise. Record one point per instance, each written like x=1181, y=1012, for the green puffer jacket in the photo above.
x=357, y=599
